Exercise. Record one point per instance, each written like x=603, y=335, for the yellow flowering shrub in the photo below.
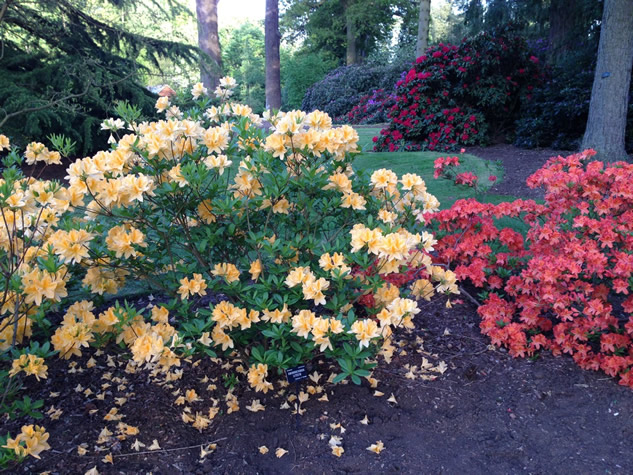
x=267, y=241
x=269, y=246
x=36, y=256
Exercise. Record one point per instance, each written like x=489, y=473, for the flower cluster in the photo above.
x=31, y=441
x=565, y=285
x=371, y=108
x=454, y=95
x=29, y=364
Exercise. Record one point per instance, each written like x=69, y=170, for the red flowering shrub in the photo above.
x=456, y=95
x=565, y=286
x=371, y=108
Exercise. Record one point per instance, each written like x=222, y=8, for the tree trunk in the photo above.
x=209, y=42
x=273, y=66
x=423, y=28
x=563, y=18
x=352, y=53
x=606, y=125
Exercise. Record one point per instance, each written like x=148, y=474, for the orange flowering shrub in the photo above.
x=564, y=286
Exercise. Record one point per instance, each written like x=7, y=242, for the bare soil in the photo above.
x=488, y=413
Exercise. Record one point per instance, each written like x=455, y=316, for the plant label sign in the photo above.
x=296, y=374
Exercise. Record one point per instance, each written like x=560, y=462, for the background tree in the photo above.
x=424, y=19
x=209, y=42
x=349, y=30
x=243, y=57
x=273, y=66
x=606, y=125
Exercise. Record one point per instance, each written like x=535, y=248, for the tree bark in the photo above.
x=209, y=42
x=423, y=28
x=352, y=53
x=273, y=66
x=606, y=125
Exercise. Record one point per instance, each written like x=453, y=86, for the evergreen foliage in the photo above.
x=63, y=69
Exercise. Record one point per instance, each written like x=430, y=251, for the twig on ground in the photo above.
x=145, y=452
x=470, y=297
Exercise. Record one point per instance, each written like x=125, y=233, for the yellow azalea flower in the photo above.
x=191, y=396
x=38, y=285
x=422, y=288
x=257, y=378
x=318, y=120
x=402, y=307
x=219, y=162
x=255, y=269
x=303, y=322
x=160, y=314
x=338, y=450
x=263, y=450
x=71, y=246
x=121, y=241
x=176, y=176
x=220, y=338
x=387, y=216
x=205, y=212
x=339, y=182
x=16, y=200
x=162, y=104
x=354, y=201
x=365, y=330
x=313, y=290
x=277, y=316
x=386, y=294
x=147, y=347
x=198, y=90
x=336, y=326
x=276, y=143
x=4, y=143
x=383, y=178
x=280, y=452
x=31, y=365
x=281, y=206
x=227, y=82
x=31, y=441
x=216, y=139
x=197, y=285
x=228, y=271
x=298, y=275
x=362, y=236
x=377, y=447
x=446, y=279
x=411, y=181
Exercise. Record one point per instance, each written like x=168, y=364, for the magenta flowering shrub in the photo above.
x=458, y=95
x=371, y=108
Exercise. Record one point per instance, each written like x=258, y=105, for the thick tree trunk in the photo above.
x=423, y=28
x=606, y=125
x=563, y=17
x=273, y=66
x=209, y=42
x=352, y=53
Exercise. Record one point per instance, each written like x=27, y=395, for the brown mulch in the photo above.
x=488, y=413
x=518, y=165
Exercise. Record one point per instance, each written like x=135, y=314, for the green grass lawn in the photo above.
x=421, y=163
x=365, y=136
